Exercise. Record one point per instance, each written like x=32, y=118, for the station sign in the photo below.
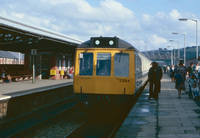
x=52, y=72
x=33, y=52
x=62, y=72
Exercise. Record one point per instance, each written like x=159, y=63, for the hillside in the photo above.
x=165, y=54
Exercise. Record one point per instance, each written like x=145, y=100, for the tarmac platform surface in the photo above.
x=169, y=117
x=14, y=89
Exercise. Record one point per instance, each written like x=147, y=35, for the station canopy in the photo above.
x=20, y=37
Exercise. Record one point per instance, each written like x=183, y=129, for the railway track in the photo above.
x=104, y=123
x=69, y=119
x=20, y=125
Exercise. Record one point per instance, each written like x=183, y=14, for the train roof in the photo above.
x=106, y=42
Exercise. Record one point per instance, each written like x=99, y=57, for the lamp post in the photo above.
x=19, y=58
x=185, y=19
x=178, y=48
x=171, y=55
x=184, y=46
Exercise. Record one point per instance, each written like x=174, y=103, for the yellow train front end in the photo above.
x=104, y=71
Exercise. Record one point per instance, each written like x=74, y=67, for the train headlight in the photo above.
x=97, y=42
x=104, y=42
x=111, y=42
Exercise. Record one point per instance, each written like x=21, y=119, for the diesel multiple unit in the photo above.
x=109, y=67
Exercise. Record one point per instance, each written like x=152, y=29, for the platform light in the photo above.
x=183, y=19
x=175, y=33
x=178, y=48
x=174, y=53
x=195, y=20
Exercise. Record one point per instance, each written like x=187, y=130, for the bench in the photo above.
x=15, y=76
x=26, y=75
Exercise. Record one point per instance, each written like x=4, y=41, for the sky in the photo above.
x=146, y=24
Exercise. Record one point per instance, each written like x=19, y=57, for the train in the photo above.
x=109, y=68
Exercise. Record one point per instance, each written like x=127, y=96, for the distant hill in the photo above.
x=165, y=54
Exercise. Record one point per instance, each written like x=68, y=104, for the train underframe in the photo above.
x=90, y=100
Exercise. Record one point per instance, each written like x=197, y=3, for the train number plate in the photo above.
x=124, y=80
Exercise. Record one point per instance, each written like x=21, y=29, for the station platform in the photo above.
x=168, y=117
x=21, y=88
x=18, y=98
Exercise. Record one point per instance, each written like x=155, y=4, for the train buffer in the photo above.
x=169, y=116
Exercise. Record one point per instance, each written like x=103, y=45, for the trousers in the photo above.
x=154, y=89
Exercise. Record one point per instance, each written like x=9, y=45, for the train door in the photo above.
x=45, y=66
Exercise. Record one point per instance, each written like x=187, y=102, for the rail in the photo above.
x=33, y=119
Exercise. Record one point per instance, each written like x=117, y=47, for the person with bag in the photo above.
x=180, y=78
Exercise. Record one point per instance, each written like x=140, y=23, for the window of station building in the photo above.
x=86, y=64
x=121, y=65
x=59, y=62
x=103, y=64
x=68, y=61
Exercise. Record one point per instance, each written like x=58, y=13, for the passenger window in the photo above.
x=121, y=65
x=86, y=64
x=103, y=64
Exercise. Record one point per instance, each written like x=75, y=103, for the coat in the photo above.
x=155, y=74
x=180, y=78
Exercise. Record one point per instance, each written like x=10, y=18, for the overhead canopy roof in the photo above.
x=19, y=37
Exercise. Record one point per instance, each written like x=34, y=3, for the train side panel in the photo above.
x=142, y=65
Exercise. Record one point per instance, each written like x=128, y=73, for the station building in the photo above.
x=8, y=58
x=50, y=52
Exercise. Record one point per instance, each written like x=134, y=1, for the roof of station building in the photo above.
x=6, y=54
x=20, y=37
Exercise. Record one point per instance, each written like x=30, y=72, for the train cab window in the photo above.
x=86, y=64
x=121, y=65
x=103, y=64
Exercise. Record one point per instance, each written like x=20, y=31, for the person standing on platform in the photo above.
x=190, y=70
x=180, y=77
x=161, y=74
x=4, y=74
x=197, y=71
x=154, y=78
x=172, y=73
x=71, y=72
x=165, y=68
x=193, y=89
x=197, y=68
